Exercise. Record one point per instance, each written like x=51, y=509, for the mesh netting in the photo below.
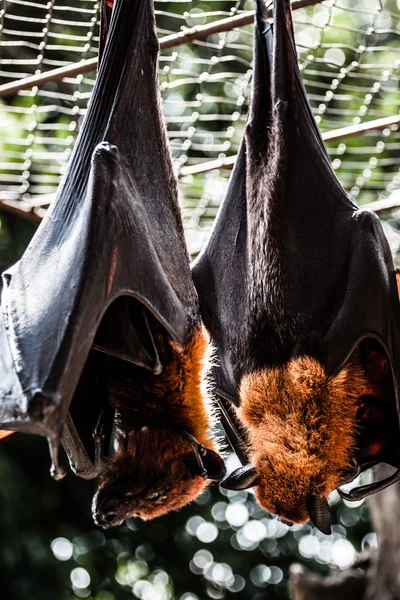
x=38, y=126
x=349, y=52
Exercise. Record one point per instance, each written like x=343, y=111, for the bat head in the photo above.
x=301, y=427
x=300, y=504
x=153, y=472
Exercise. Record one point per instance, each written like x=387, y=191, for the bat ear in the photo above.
x=213, y=464
x=320, y=513
x=241, y=479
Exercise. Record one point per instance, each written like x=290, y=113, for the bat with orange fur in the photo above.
x=297, y=288
x=101, y=341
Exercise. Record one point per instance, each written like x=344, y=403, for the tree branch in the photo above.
x=342, y=585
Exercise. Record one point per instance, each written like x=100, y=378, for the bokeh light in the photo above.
x=62, y=548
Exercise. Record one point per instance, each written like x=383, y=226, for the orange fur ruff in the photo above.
x=301, y=427
x=184, y=382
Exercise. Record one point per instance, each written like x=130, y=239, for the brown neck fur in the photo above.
x=301, y=427
x=177, y=398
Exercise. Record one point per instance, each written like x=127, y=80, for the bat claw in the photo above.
x=57, y=471
x=351, y=475
x=157, y=369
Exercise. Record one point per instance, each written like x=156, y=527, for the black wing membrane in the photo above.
x=331, y=252
x=106, y=12
x=109, y=258
x=292, y=267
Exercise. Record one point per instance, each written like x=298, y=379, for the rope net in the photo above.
x=349, y=53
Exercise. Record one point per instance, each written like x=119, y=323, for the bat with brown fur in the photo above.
x=297, y=288
x=102, y=345
x=163, y=448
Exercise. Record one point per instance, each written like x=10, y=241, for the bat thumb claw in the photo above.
x=57, y=471
x=241, y=479
x=320, y=513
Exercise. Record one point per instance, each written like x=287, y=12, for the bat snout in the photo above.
x=110, y=519
x=106, y=512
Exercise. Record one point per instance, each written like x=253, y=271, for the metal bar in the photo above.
x=330, y=136
x=201, y=31
x=23, y=209
x=54, y=75
x=35, y=211
x=383, y=206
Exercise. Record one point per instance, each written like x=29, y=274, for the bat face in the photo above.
x=154, y=471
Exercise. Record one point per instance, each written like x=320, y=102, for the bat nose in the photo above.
x=104, y=511
x=108, y=519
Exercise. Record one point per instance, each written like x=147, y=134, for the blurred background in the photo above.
x=223, y=545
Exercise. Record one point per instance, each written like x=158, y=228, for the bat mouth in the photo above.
x=376, y=423
x=105, y=511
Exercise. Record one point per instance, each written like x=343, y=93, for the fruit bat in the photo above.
x=100, y=331
x=297, y=288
